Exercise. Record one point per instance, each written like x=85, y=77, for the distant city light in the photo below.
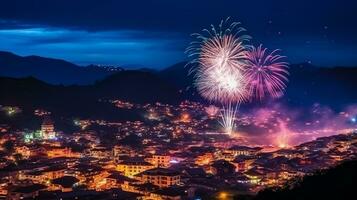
x=223, y=195
x=174, y=161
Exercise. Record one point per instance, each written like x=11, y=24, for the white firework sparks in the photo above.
x=228, y=117
x=221, y=84
x=218, y=61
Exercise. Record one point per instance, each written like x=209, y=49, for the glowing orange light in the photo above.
x=185, y=117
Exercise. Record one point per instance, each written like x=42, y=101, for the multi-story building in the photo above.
x=161, y=177
x=100, y=152
x=160, y=160
x=43, y=176
x=132, y=167
x=204, y=159
x=56, y=152
x=243, y=150
x=48, y=129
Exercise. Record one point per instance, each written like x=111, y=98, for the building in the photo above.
x=243, y=150
x=254, y=175
x=160, y=177
x=24, y=151
x=160, y=160
x=100, y=152
x=121, y=152
x=93, y=176
x=48, y=129
x=42, y=176
x=243, y=163
x=25, y=192
x=116, y=180
x=56, y=152
x=222, y=168
x=204, y=159
x=133, y=166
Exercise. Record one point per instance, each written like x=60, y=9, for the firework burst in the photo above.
x=217, y=60
x=265, y=73
x=218, y=56
x=219, y=84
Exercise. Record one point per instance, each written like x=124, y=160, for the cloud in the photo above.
x=117, y=47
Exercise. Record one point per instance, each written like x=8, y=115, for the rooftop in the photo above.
x=161, y=172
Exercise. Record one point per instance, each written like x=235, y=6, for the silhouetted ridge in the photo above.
x=54, y=71
x=336, y=183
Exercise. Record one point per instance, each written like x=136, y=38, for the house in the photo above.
x=222, y=168
x=23, y=192
x=243, y=162
x=133, y=166
x=116, y=180
x=161, y=177
x=243, y=150
x=160, y=160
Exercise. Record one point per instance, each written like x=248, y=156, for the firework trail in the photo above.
x=265, y=73
x=218, y=61
x=228, y=116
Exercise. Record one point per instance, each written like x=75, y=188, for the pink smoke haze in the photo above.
x=282, y=127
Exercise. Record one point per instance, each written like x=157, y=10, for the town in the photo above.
x=174, y=153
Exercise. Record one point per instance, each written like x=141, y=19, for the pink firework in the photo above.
x=265, y=73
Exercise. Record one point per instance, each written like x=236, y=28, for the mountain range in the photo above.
x=60, y=85
x=54, y=71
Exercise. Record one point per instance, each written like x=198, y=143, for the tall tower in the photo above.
x=48, y=129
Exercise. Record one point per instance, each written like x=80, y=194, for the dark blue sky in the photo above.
x=154, y=33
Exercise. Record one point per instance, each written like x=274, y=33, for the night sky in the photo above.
x=155, y=34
